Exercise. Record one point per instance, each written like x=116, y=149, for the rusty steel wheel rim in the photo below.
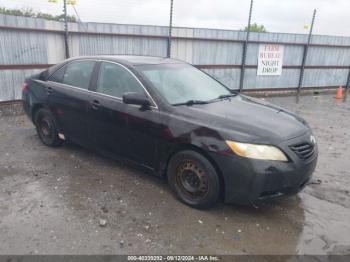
x=192, y=180
x=45, y=128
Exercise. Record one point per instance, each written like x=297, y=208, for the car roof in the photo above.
x=128, y=60
x=132, y=59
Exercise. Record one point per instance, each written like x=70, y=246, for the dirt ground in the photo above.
x=52, y=200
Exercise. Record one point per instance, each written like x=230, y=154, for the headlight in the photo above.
x=263, y=152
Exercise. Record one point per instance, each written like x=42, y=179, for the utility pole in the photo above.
x=170, y=28
x=348, y=82
x=244, y=56
x=65, y=28
x=306, y=49
x=65, y=2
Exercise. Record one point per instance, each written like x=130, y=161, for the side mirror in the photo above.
x=133, y=98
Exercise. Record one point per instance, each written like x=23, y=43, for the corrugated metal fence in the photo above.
x=27, y=45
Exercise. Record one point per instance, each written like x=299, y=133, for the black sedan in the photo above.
x=176, y=122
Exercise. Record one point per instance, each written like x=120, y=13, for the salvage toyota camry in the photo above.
x=177, y=122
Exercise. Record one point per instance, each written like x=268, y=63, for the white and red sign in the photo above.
x=270, y=59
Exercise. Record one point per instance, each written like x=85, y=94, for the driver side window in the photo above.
x=115, y=80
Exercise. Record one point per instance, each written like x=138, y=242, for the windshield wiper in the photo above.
x=227, y=96
x=191, y=102
x=201, y=102
x=223, y=97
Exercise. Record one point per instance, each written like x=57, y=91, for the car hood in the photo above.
x=247, y=119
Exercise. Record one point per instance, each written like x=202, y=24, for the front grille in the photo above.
x=304, y=150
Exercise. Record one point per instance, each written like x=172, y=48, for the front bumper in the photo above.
x=249, y=181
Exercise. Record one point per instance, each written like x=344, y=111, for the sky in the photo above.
x=288, y=16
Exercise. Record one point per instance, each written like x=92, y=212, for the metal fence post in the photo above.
x=306, y=49
x=348, y=82
x=65, y=28
x=245, y=47
x=170, y=29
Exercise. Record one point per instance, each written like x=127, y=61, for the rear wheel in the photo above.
x=46, y=128
x=193, y=179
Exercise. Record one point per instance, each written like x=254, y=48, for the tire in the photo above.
x=46, y=128
x=193, y=179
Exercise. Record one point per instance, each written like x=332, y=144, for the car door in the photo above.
x=68, y=98
x=116, y=127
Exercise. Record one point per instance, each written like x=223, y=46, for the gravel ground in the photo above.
x=72, y=201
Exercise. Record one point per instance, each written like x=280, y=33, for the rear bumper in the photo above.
x=249, y=181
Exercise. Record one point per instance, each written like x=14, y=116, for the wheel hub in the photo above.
x=45, y=128
x=192, y=179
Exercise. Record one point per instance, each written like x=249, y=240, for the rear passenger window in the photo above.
x=78, y=74
x=58, y=75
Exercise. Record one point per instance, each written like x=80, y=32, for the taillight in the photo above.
x=25, y=87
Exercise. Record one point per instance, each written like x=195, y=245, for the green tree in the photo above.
x=256, y=28
x=29, y=12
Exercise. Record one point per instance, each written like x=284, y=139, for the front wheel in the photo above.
x=193, y=179
x=46, y=128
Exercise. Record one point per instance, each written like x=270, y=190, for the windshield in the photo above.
x=180, y=83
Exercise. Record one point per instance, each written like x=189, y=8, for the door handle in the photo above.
x=49, y=90
x=95, y=104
